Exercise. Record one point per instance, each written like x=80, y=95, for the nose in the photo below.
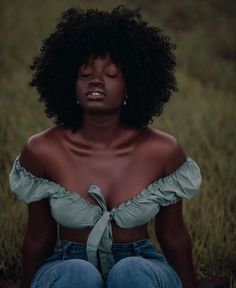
x=96, y=82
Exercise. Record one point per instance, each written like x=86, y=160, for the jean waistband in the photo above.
x=120, y=246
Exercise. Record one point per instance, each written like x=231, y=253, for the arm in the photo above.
x=41, y=231
x=39, y=241
x=175, y=242
x=170, y=227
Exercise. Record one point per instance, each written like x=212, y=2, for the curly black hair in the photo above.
x=143, y=52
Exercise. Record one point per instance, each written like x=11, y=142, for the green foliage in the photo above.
x=201, y=115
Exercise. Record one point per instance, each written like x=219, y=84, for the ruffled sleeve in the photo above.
x=183, y=183
x=27, y=186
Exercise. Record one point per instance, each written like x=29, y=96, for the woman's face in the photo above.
x=100, y=85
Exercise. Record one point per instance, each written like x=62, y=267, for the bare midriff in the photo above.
x=119, y=234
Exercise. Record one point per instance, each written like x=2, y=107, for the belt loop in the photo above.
x=136, y=248
x=65, y=249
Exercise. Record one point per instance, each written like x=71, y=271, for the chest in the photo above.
x=120, y=176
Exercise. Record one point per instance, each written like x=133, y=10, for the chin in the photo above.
x=99, y=108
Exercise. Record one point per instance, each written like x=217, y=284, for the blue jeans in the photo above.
x=137, y=264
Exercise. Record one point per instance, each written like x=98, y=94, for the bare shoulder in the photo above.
x=36, y=150
x=166, y=147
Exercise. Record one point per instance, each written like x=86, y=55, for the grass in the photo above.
x=201, y=115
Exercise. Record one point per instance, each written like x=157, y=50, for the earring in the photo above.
x=77, y=101
x=125, y=102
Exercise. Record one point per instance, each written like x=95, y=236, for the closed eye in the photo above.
x=112, y=76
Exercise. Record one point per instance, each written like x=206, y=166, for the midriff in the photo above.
x=119, y=234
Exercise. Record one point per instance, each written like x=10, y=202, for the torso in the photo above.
x=121, y=172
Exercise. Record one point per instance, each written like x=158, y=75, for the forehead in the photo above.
x=106, y=59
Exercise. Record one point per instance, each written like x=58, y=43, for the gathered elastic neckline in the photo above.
x=144, y=191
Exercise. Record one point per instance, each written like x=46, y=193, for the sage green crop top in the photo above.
x=71, y=210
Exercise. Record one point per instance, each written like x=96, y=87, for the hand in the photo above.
x=7, y=283
x=214, y=282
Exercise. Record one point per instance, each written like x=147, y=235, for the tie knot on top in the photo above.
x=100, y=238
x=96, y=192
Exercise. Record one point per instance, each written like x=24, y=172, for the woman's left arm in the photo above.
x=175, y=242
x=170, y=228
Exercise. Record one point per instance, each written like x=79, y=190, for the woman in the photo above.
x=101, y=173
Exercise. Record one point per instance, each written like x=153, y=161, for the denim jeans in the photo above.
x=137, y=264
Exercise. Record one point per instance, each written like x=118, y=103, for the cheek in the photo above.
x=117, y=87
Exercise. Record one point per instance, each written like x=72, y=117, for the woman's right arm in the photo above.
x=39, y=240
x=41, y=232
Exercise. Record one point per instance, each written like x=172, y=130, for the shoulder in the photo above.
x=165, y=148
x=34, y=154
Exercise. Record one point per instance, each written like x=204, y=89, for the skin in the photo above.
x=105, y=153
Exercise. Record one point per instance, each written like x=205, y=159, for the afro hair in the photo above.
x=143, y=52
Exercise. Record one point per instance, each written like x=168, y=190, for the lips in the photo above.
x=96, y=90
x=96, y=94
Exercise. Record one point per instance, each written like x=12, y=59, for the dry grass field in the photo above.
x=201, y=115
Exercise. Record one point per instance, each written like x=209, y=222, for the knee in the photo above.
x=129, y=271
x=76, y=273
x=139, y=272
x=129, y=266
x=75, y=266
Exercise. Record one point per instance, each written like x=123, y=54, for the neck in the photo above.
x=101, y=130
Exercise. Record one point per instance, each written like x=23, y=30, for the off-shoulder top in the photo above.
x=71, y=210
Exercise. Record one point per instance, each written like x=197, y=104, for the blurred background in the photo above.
x=201, y=115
